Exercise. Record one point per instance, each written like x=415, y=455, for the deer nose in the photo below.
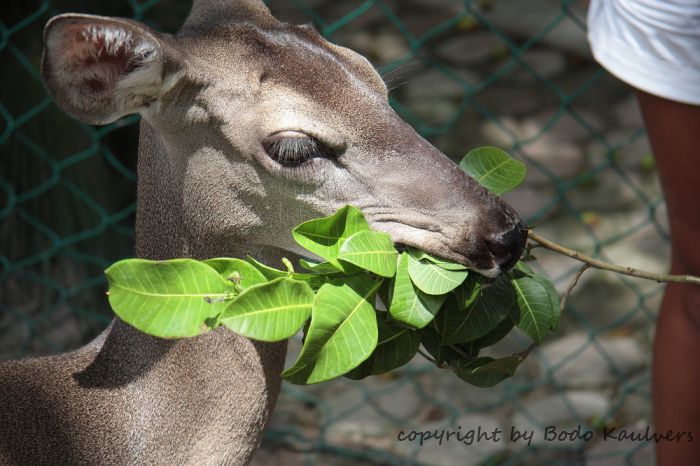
x=507, y=247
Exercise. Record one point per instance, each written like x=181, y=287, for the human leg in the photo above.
x=674, y=134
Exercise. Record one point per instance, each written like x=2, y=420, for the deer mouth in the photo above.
x=490, y=256
x=431, y=241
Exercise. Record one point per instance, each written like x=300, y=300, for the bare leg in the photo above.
x=674, y=133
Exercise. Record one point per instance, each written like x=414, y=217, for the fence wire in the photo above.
x=463, y=73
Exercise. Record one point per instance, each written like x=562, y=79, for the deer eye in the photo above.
x=291, y=148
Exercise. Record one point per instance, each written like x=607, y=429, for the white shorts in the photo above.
x=653, y=45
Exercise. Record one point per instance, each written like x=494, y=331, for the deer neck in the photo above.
x=231, y=378
x=160, y=235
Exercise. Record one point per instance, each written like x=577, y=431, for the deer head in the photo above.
x=251, y=126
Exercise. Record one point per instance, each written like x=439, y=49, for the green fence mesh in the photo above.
x=464, y=73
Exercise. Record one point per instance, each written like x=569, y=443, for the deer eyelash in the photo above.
x=293, y=151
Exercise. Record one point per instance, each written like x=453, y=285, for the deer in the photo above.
x=249, y=126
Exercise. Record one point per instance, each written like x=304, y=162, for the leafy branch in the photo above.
x=434, y=307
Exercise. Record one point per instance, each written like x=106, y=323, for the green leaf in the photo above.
x=554, y=300
x=314, y=280
x=538, y=314
x=487, y=371
x=495, y=335
x=491, y=306
x=370, y=250
x=408, y=304
x=269, y=272
x=431, y=339
x=319, y=267
x=169, y=299
x=494, y=169
x=506, y=365
x=422, y=255
x=237, y=271
x=343, y=331
x=396, y=346
x=272, y=311
x=432, y=279
x=468, y=291
x=522, y=267
x=325, y=236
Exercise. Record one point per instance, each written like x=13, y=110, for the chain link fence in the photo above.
x=464, y=73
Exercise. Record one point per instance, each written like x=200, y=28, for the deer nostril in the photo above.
x=506, y=248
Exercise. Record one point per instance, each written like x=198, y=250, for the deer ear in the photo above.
x=99, y=69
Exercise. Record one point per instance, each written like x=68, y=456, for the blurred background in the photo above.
x=511, y=73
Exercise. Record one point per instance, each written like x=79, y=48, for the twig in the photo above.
x=571, y=286
x=459, y=351
x=523, y=354
x=598, y=264
x=420, y=351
